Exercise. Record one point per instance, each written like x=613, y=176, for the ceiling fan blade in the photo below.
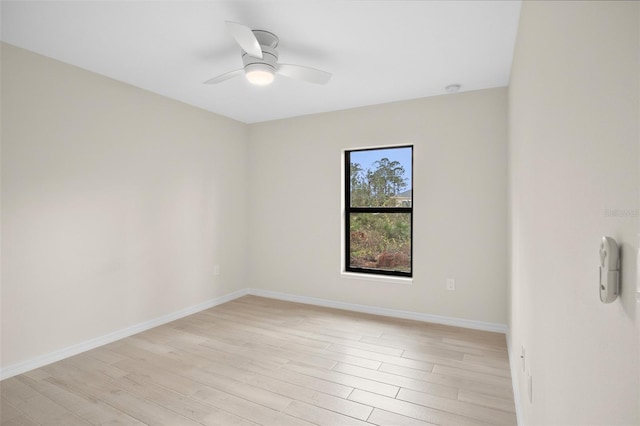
x=245, y=38
x=225, y=76
x=310, y=75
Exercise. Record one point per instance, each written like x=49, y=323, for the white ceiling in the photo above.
x=378, y=51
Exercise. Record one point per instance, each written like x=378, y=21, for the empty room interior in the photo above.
x=320, y=213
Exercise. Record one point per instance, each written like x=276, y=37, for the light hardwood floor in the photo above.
x=268, y=362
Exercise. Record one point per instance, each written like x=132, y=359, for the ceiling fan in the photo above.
x=260, y=59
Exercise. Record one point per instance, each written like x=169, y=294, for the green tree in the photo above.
x=360, y=194
x=386, y=181
x=375, y=188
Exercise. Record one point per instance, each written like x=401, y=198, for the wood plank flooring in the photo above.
x=268, y=362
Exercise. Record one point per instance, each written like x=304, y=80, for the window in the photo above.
x=379, y=211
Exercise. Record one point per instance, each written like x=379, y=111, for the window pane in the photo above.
x=381, y=177
x=380, y=241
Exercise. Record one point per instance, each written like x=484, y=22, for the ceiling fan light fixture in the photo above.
x=260, y=64
x=259, y=74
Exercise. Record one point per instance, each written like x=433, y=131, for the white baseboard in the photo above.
x=395, y=313
x=40, y=361
x=514, y=362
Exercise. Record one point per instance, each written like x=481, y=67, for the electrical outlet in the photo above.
x=451, y=284
x=216, y=269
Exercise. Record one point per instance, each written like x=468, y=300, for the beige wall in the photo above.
x=116, y=204
x=460, y=204
x=573, y=106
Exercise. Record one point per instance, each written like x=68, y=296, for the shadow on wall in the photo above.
x=628, y=298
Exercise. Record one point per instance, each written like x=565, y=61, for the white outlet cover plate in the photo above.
x=451, y=284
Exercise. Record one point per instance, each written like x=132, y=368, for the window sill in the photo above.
x=376, y=278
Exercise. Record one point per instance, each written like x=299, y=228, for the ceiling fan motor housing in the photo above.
x=268, y=43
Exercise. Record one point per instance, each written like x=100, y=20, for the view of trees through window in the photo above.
x=379, y=210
